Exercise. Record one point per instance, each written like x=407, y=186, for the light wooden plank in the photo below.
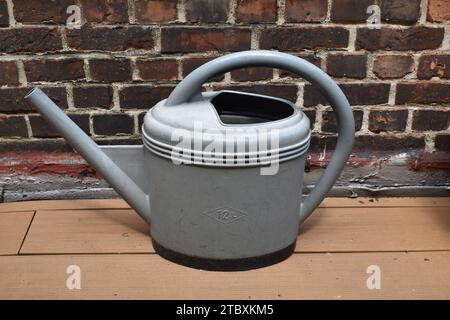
x=64, y=204
x=87, y=231
x=121, y=204
x=419, y=275
x=13, y=227
x=328, y=230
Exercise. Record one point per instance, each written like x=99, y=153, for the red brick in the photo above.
x=189, y=64
x=157, y=69
x=110, y=70
x=315, y=60
x=112, y=124
x=252, y=74
x=347, y=65
x=329, y=123
x=38, y=11
x=438, y=10
x=207, y=10
x=392, y=66
x=412, y=38
x=434, y=66
x=423, y=93
x=30, y=40
x=178, y=40
x=387, y=143
x=4, y=16
x=392, y=11
x=12, y=99
x=54, y=70
x=8, y=73
x=400, y=11
x=156, y=11
x=105, y=11
x=49, y=145
x=296, y=39
x=434, y=120
x=380, y=121
x=256, y=11
x=442, y=142
x=306, y=10
x=92, y=97
x=143, y=97
x=356, y=93
x=41, y=128
x=284, y=91
x=13, y=126
x=110, y=39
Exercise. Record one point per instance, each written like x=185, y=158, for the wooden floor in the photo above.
x=407, y=238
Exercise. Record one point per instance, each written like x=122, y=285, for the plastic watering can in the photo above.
x=219, y=175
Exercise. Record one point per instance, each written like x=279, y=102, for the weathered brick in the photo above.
x=356, y=93
x=319, y=143
x=434, y=66
x=392, y=11
x=442, y=142
x=252, y=74
x=329, y=123
x=4, y=16
x=430, y=120
x=380, y=121
x=256, y=11
x=143, y=97
x=189, y=64
x=49, y=145
x=13, y=126
x=349, y=66
x=54, y=70
x=38, y=11
x=12, y=99
x=92, y=97
x=112, y=124
x=157, y=69
x=306, y=10
x=8, y=73
x=285, y=91
x=392, y=66
x=30, y=40
x=178, y=40
x=423, y=92
x=41, y=128
x=110, y=70
x=411, y=38
x=207, y=10
x=400, y=11
x=105, y=11
x=315, y=60
x=438, y=10
x=296, y=39
x=387, y=143
x=156, y=11
x=110, y=39
x=118, y=140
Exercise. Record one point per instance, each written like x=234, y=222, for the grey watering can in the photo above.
x=219, y=175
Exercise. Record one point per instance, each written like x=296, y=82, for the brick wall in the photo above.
x=129, y=54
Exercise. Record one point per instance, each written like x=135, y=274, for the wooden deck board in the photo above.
x=13, y=227
x=408, y=238
x=328, y=230
x=418, y=275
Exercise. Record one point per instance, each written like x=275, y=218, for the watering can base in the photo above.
x=241, y=264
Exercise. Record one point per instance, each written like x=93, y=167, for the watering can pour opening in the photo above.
x=206, y=212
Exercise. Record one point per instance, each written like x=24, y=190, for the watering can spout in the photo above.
x=93, y=154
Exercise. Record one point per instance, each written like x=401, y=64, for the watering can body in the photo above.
x=219, y=175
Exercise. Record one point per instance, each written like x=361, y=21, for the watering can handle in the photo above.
x=190, y=90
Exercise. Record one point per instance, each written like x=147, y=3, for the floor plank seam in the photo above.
x=26, y=232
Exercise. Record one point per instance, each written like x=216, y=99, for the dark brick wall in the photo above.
x=129, y=54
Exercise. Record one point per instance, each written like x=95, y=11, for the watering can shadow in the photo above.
x=217, y=210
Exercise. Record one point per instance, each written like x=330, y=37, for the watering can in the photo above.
x=219, y=175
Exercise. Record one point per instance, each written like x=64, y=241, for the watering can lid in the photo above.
x=227, y=128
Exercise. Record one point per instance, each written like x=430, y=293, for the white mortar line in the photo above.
x=21, y=73
x=281, y=11
x=181, y=11
x=131, y=12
